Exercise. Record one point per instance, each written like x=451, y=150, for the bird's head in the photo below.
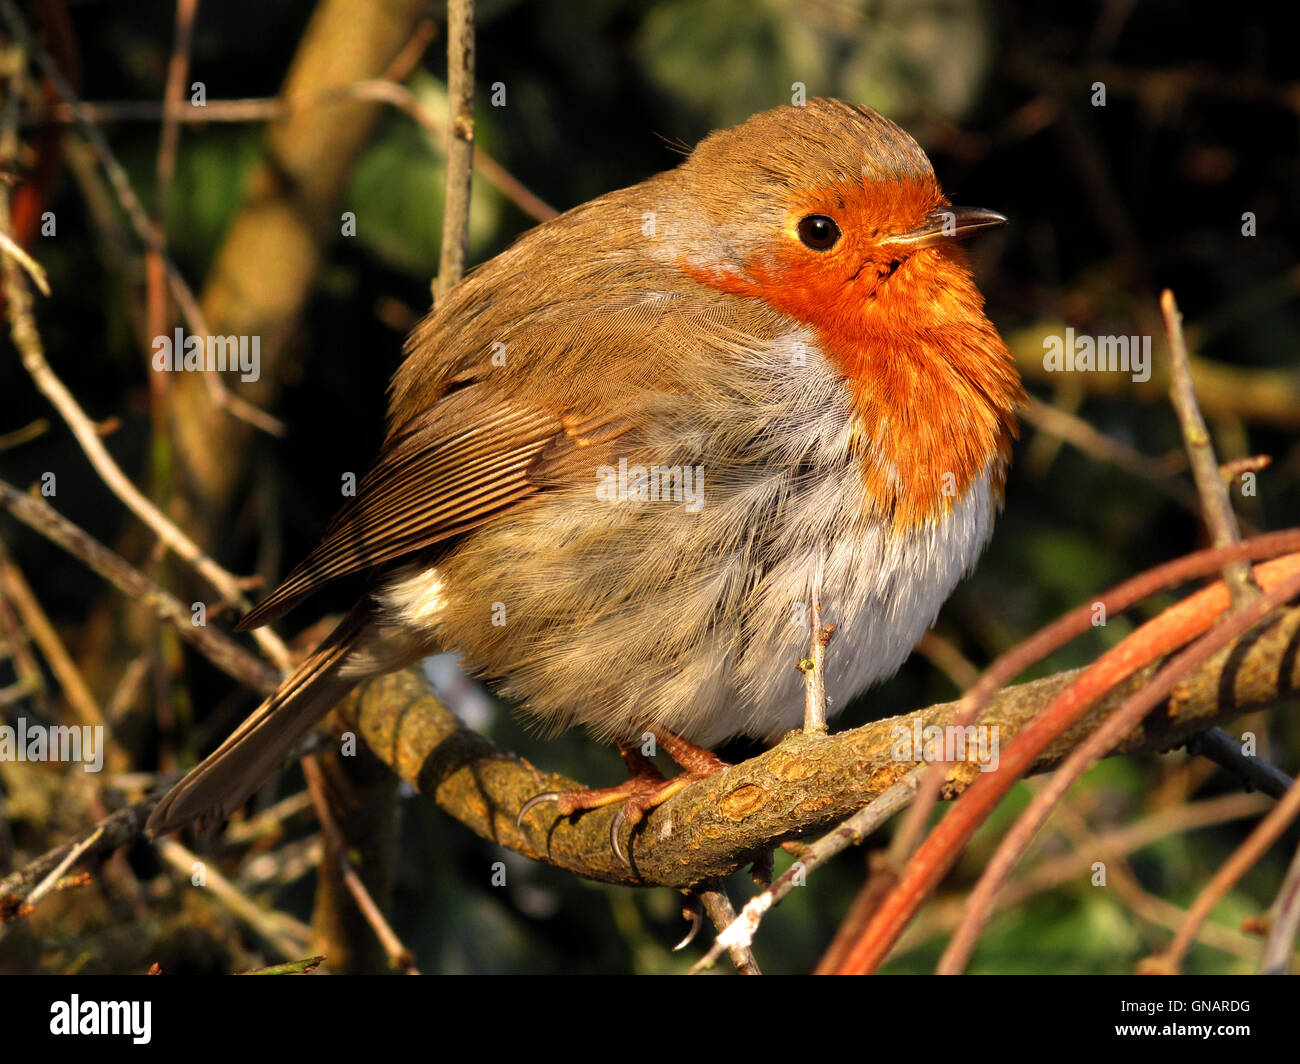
x=831, y=214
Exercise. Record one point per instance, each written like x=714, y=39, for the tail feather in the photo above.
x=228, y=776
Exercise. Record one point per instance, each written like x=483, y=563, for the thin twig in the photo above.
x=740, y=932
x=1083, y=436
x=1160, y=473
x=460, y=146
x=74, y=855
x=399, y=957
x=1221, y=748
x=32, y=350
x=946, y=656
x=301, y=967
x=128, y=688
x=16, y=589
x=215, y=645
x=1283, y=923
x=1146, y=906
x=34, y=269
x=178, y=66
x=33, y=431
x=484, y=165
x=269, y=821
x=279, y=930
x=16, y=644
x=157, y=308
x=1039, y=645
x=1170, y=630
x=814, y=666
x=1067, y=869
x=266, y=109
x=1252, y=463
x=165, y=168
x=113, y=831
x=285, y=864
x=140, y=222
x=1216, y=507
x=405, y=62
x=1245, y=857
x=1096, y=746
x=716, y=903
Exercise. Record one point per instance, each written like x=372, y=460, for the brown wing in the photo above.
x=465, y=450
x=452, y=467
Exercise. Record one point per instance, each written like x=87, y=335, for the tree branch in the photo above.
x=460, y=145
x=805, y=784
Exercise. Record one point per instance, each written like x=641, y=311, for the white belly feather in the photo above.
x=622, y=616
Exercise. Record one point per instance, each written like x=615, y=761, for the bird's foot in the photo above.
x=644, y=789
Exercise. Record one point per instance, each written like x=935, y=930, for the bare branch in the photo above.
x=460, y=145
x=147, y=232
x=1216, y=508
x=279, y=930
x=855, y=830
x=399, y=957
x=16, y=589
x=813, y=667
x=806, y=784
x=1245, y=857
x=1095, y=747
x=32, y=350
x=264, y=109
x=1224, y=750
x=1284, y=922
x=214, y=644
x=718, y=906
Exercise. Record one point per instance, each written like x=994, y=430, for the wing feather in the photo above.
x=463, y=461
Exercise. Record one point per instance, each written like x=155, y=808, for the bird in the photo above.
x=623, y=455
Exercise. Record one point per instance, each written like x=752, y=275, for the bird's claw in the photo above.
x=534, y=802
x=616, y=825
x=644, y=789
x=691, y=912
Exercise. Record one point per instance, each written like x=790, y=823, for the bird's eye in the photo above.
x=818, y=232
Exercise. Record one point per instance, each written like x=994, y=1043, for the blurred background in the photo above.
x=1186, y=177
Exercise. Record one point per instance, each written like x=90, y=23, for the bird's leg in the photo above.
x=694, y=759
x=644, y=789
x=641, y=776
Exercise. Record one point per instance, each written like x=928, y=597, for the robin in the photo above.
x=620, y=454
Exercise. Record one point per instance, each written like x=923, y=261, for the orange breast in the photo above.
x=934, y=387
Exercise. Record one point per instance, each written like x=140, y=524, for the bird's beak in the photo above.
x=945, y=224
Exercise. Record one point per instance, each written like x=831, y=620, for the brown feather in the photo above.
x=226, y=778
x=464, y=461
x=678, y=323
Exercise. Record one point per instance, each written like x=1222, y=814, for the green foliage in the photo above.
x=895, y=56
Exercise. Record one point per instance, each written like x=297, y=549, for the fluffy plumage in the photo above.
x=852, y=405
